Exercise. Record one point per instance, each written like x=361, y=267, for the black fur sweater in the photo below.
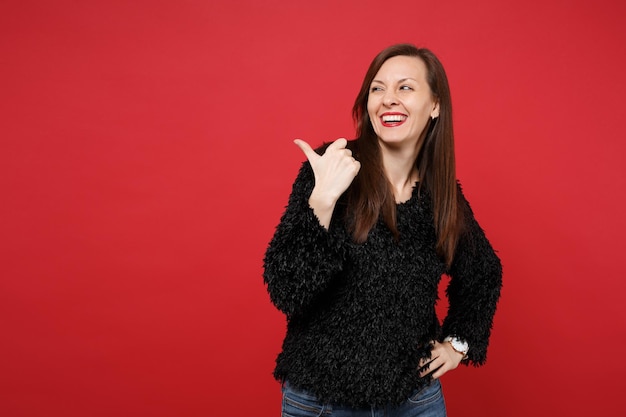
x=360, y=316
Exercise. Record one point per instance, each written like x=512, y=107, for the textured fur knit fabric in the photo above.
x=361, y=316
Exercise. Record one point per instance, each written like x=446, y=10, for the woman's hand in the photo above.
x=334, y=172
x=443, y=359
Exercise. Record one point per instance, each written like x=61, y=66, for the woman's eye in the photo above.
x=374, y=89
x=405, y=87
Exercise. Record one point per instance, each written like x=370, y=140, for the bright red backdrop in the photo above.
x=147, y=156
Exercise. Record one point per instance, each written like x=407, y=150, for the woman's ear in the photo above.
x=435, y=113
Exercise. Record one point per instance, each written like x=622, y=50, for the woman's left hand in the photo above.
x=443, y=359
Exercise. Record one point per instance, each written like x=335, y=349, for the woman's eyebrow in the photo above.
x=400, y=81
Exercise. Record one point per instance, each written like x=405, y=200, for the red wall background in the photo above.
x=146, y=157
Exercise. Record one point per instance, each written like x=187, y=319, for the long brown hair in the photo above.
x=371, y=194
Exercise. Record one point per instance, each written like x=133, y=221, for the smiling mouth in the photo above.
x=392, y=120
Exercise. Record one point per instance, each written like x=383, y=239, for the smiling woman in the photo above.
x=400, y=103
x=430, y=159
x=355, y=262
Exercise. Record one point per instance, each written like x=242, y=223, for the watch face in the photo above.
x=460, y=346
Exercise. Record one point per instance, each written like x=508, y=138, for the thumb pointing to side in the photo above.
x=310, y=154
x=333, y=172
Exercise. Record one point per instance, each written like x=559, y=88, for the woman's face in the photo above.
x=400, y=101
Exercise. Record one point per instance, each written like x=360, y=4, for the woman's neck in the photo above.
x=401, y=170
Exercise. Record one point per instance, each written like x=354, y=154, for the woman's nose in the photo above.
x=390, y=98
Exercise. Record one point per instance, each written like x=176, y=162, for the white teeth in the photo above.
x=394, y=118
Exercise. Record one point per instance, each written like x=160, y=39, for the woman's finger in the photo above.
x=310, y=154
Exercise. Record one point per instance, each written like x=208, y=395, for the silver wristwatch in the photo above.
x=458, y=345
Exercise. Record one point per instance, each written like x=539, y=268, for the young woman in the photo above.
x=355, y=262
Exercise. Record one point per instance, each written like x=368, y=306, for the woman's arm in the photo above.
x=474, y=289
x=303, y=256
x=306, y=253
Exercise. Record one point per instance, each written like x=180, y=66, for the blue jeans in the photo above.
x=427, y=402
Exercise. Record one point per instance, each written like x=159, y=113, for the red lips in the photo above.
x=392, y=119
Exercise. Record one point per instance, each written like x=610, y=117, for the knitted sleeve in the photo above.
x=474, y=289
x=302, y=257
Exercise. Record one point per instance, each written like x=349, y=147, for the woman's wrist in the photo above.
x=323, y=207
x=459, y=345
